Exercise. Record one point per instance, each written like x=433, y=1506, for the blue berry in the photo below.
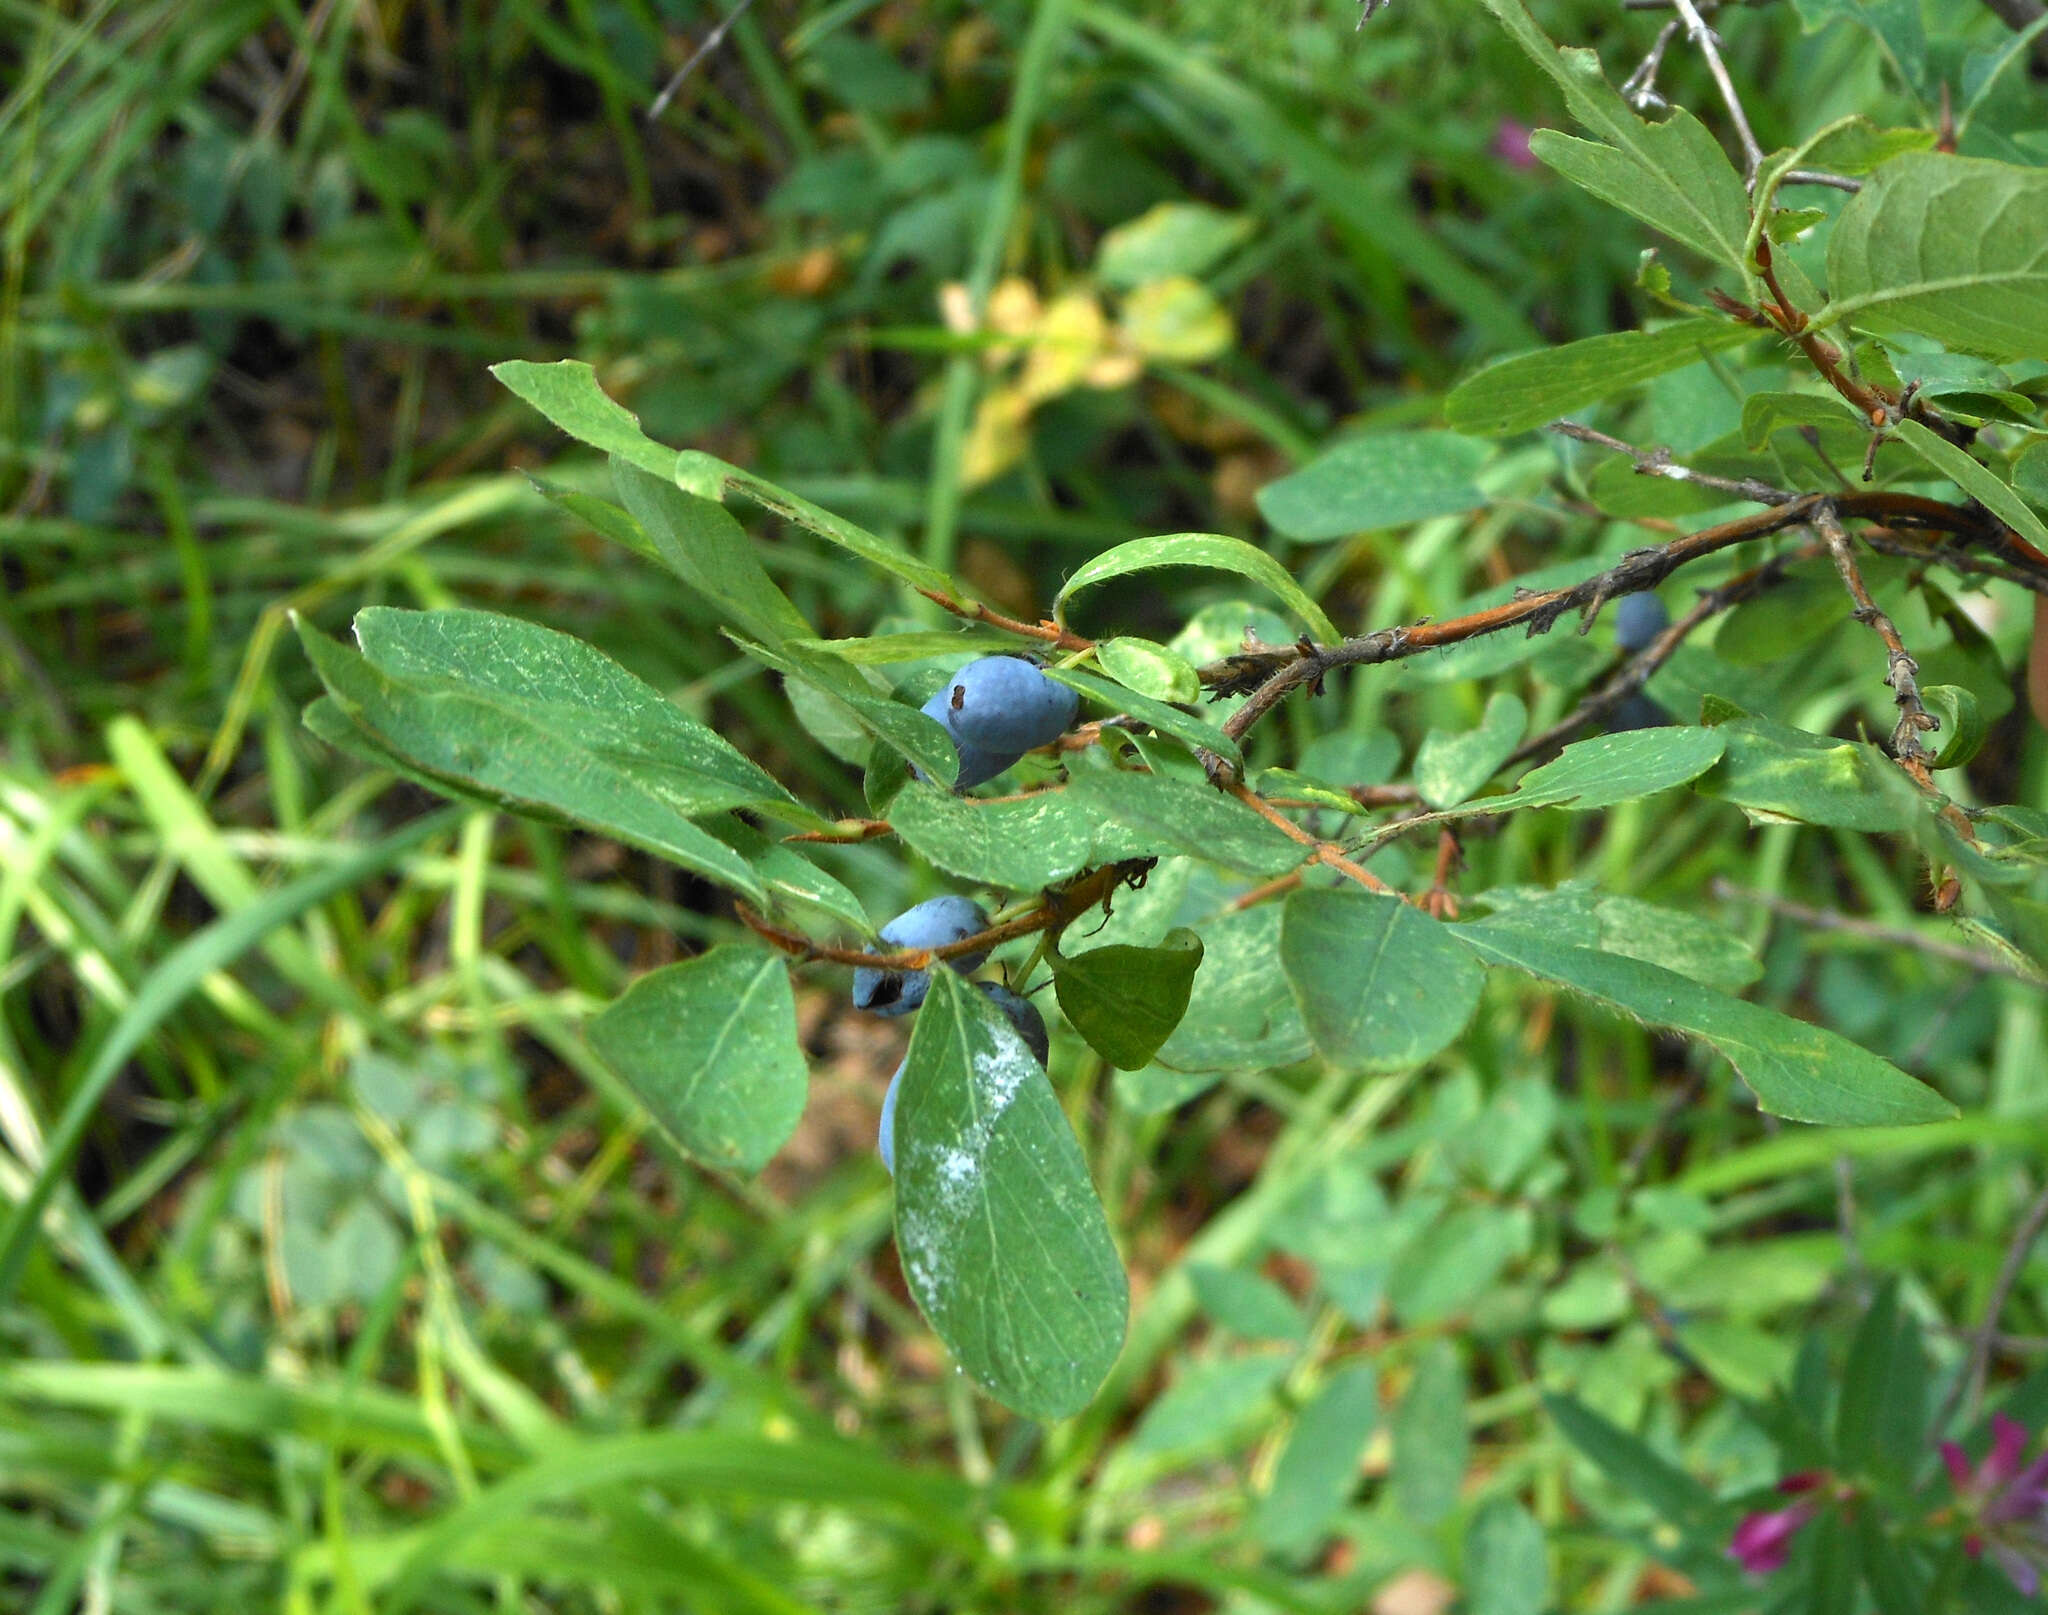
x=931, y=924
x=1024, y=1016
x=976, y=765
x=885, y=1139
x=1639, y=619
x=1637, y=712
x=1004, y=705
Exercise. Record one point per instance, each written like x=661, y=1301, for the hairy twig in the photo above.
x=1969, y=1384
x=1890, y=936
x=1900, y=670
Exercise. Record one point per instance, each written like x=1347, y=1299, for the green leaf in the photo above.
x=1166, y=720
x=2030, y=471
x=1208, y=1403
x=1021, y=843
x=1246, y=1304
x=1431, y=1442
x=882, y=650
x=1962, y=723
x=713, y=477
x=1507, y=1562
x=1126, y=1001
x=1634, y=1468
x=896, y=724
x=1798, y=1071
x=1384, y=479
x=1241, y=1015
x=535, y=761
x=701, y=543
x=1880, y=1416
x=1457, y=1261
x=1170, y=238
x=1764, y=413
x=567, y=393
x=1212, y=550
x=1450, y=766
x=1319, y=1467
x=791, y=879
x=1194, y=819
x=1533, y=389
x=1775, y=770
x=1955, y=248
x=556, y=681
x=1975, y=478
x=1004, y=1244
x=710, y=1046
x=1381, y=985
x=1607, y=769
x=1672, y=175
x=1710, y=954
x=1149, y=668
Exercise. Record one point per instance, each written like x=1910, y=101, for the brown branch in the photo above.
x=1900, y=668
x=1051, y=633
x=1879, y=409
x=1062, y=906
x=1956, y=560
x=1639, y=668
x=1323, y=852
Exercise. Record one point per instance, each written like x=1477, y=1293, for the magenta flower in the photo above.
x=1511, y=144
x=1763, y=1540
x=2007, y=1504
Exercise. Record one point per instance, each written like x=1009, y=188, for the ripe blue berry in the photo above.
x=885, y=1139
x=1024, y=1016
x=1639, y=619
x=1004, y=705
x=976, y=765
x=1637, y=712
x=931, y=924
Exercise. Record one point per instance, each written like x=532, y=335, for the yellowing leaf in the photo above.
x=1176, y=319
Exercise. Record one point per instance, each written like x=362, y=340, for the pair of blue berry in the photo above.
x=1638, y=620
x=997, y=708
x=934, y=924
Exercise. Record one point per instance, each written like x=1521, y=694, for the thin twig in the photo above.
x=1900, y=669
x=1639, y=89
x=712, y=41
x=1061, y=907
x=1051, y=633
x=1638, y=670
x=1324, y=852
x=1891, y=936
x=1815, y=176
x=1969, y=1384
x=1955, y=560
x=1657, y=462
x=1710, y=47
